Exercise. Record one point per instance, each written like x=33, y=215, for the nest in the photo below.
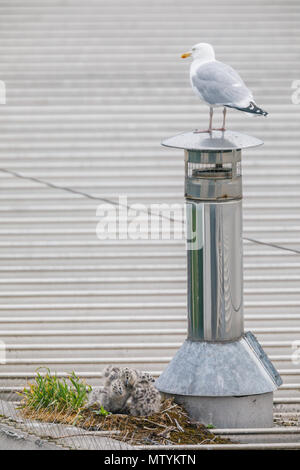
x=170, y=426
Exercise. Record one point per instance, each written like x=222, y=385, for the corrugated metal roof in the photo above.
x=92, y=89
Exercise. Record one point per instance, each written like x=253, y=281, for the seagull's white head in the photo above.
x=202, y=51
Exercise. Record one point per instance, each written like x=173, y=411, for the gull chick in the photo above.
x=218, y=84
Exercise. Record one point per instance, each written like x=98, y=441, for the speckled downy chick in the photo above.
x=126, y=390
x=129, y=376
x=112, y=397
x=145, y=377
x=99, y=395
x=126, y=377
x=111, y=373
x=145, y=399
x=117, y=396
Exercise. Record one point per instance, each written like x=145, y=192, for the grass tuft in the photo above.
x=48, y=391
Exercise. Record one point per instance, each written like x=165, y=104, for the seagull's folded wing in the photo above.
x=220, y=84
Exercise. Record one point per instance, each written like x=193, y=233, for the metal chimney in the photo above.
x=220, y=374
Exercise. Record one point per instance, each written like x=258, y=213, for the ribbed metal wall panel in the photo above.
x=92, y=88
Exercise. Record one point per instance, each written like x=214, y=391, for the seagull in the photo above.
x=218, y=84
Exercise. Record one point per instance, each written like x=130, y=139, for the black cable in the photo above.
x=76, y=191
x=273, y=245
x=97, y=198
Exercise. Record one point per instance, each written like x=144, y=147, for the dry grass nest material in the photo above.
x=171, y=425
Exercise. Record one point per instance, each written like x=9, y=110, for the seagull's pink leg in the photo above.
x=209, y=130
x=224, y=117
x=211, y=113
x=223, y=129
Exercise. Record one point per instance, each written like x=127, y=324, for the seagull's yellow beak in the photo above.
x=187, y=54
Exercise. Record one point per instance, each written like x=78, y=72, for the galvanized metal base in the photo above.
x=252, y=411
x=208, y=369
x=227, y=384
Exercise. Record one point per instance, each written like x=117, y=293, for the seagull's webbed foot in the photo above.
x=207, y=131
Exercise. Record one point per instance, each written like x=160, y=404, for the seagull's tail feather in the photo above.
x=252, y=108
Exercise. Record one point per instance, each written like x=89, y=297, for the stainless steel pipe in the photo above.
x=215, y=271
x=213, y=191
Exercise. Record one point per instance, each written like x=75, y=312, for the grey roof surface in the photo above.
x=70, y=301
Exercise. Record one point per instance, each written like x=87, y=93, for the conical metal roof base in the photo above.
x=206, y=369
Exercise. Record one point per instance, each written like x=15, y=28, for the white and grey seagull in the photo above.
x=218, y=84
